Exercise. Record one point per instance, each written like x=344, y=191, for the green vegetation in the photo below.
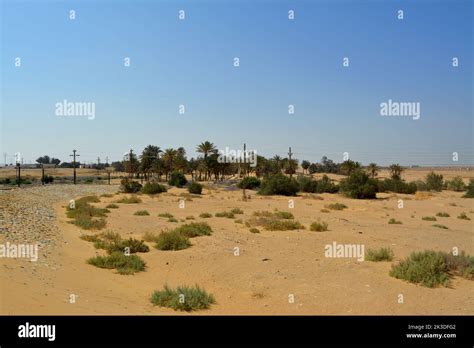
x=85, y=215
x=282, y=225
x=434, y=182
x=336, y=206
x=172, y=240
x=177, y=179
x=359, y=186
x=249, y=183
x=117, y=260
x=205, y=215
x=456, y=184
x=428, y=218
x=432, y=268
x=226, y=214
x=254, y=230
x=397, y=186
x=194, y=229
x=142, y=213
x=278, y=184
x=129, y=200
x=112, y=206
x=319, y=226
x=284, y=215
x=184, y=298
x=130, y=186
x=383, y=254
x=236, y=211
x=463, y=216
x=153, y=188
x=310, y=185
x=440, y=226
x=277, y=221
x=166, y=215
x=195, y=188
x=470, y=190
x=442, y=214
x=392, y=221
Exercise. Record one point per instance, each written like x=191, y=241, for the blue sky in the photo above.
x=282, y=62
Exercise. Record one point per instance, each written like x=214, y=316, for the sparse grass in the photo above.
x=129, y=200
x=383, y=254
x=440, y=226
x=172, y=219
x=122, y=263
x=205, y=215
x=432, y=268
x=190, y=217
x=166, y=215
x=428, y=218
x=319, y=226
x=392, y=221
x=112, y=242
x=150, y=237
x=87, y=223
x=236, y=211
x=463, y=216
x=107, y=195
x=112, y=206
x=263, y=213
x=184, y=298
x=336, y=206
x=254, y=230
x=194, y=229
x=442, y=214
x=142, y=213
x=172, y=240
x=226, y=214
x=284, y=215
x=282, y=225
x=325, y=211
x=89, y=237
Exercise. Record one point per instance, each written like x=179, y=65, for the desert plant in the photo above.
x=236, y=211
x=319, y=226
x=177, y=179
x=282, y=225
x=254, y=230
x=172, y=240
x=383, y=254
x=153, y=188
x=428, y=218
x=358, y=185
x=142, y=213
x=278, y=184
x=195, y=188
x=184, y=298
x=434, y=182
x=470, y=190
x=249, y=183
x=336, y=206
x=194, y=229
x=440, y=226
x=442, y=214
x=112, y=206
x=284, y=215
x=129, y=200
x=463, y=216
x=397, y=186
x=392, y=221
x=226, y=214
x=122, y=263
x=205, y=215
x=130, y=186
x=456, y=184
x=166, y=215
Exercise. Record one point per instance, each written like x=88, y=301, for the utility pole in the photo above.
x=5, y=158
x=245, y=160
x=289, y=162
x=74, y=163
x=106, y=161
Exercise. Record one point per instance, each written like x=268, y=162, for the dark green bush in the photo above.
x=177, y=179
x=122, y=263
x=250, y=183
x=130, y=186
x=456, y=184
x=173, y=240
x=434, y=182
x=358, y=185
x=195, y=188
x=184, y=298
x=397, y=186
x=470, y=190
x=151, y=188
x=279, y=184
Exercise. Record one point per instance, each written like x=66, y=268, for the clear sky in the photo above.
x=282, y=62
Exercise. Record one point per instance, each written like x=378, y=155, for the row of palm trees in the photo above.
x=155, y=163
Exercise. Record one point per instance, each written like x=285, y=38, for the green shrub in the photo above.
x=336, y=206
x=205, y=215
x=177, y=179
x=397, y=185
x=190, y=217
x=47, y=179
x=89, y=237
x=442, y=214
x=383, y=254
x=310, y=185
x=194, y=229
x=440, y=226
x=129, y=200
x=195, y=188
x=420, y=185
x=166, y=215
x=428, y=268
x=470, y=190
x=463, y=216
x=226, y=214
x=359, y=186
x=112, y=206
x=284, y=215
x=319, y=226
x=130, y=186
x=434, y=182
x=392, y=221
x=462, y=264
x=142, y=213
x=184, y=298
x=456, y=184
x=428, y=218
x=278, y=184
x=254, y=230
x=172, y=240
x=282, y=225
x=83, y=213
x=122, y=263
x=87, y=223
x=236, y=211
x=153, y=188
x=150, y=237
x=250, y=183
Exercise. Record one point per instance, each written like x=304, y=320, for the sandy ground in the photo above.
x=271, y=268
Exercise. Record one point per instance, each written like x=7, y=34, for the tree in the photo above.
x=395, y=171
x=206, y=148
x=305, y=165
x=169, y=159
x=372, y=169
x=290, y=166
x=349, y=166
x=149, y=156
x=44, y=160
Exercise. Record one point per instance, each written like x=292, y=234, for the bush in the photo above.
x=150, y=237
x=226, y=214
x=205, y=215
x=279, y=184
x=456, y=184
x=319, y=226
x=442, y=214
x=142, y=213
x=177, y=179
x=194, y=229
x=461, y=264
x=434, y=182
x=166, y=215
x=420, y=185
x=173, y=240
x=129, y=200
x=470, y=190
x=427, y=268
x=153, y=188
x=184, y=298
x=359, y=186
x=236, y=211
x=284, y=215
x=254, y=230
x=112, y=206
x=250, y=183
x=316, y=186
x=383, y=254
x=83, y=213
x=428, y=218
x=195, y=188
x=463, y=216
x=130, y=186
x=47, y=179
x=392, y=221
x=397, y=186
x=122, y=263
x=440, y=226
x=282, y=225
x=336, y=206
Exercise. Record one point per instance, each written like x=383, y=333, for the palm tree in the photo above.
x=169, y=158
x=206, y=148
x=305, y=165
x=395, y=171
x=349, y=166
x=373, y=169
x=148, y=157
